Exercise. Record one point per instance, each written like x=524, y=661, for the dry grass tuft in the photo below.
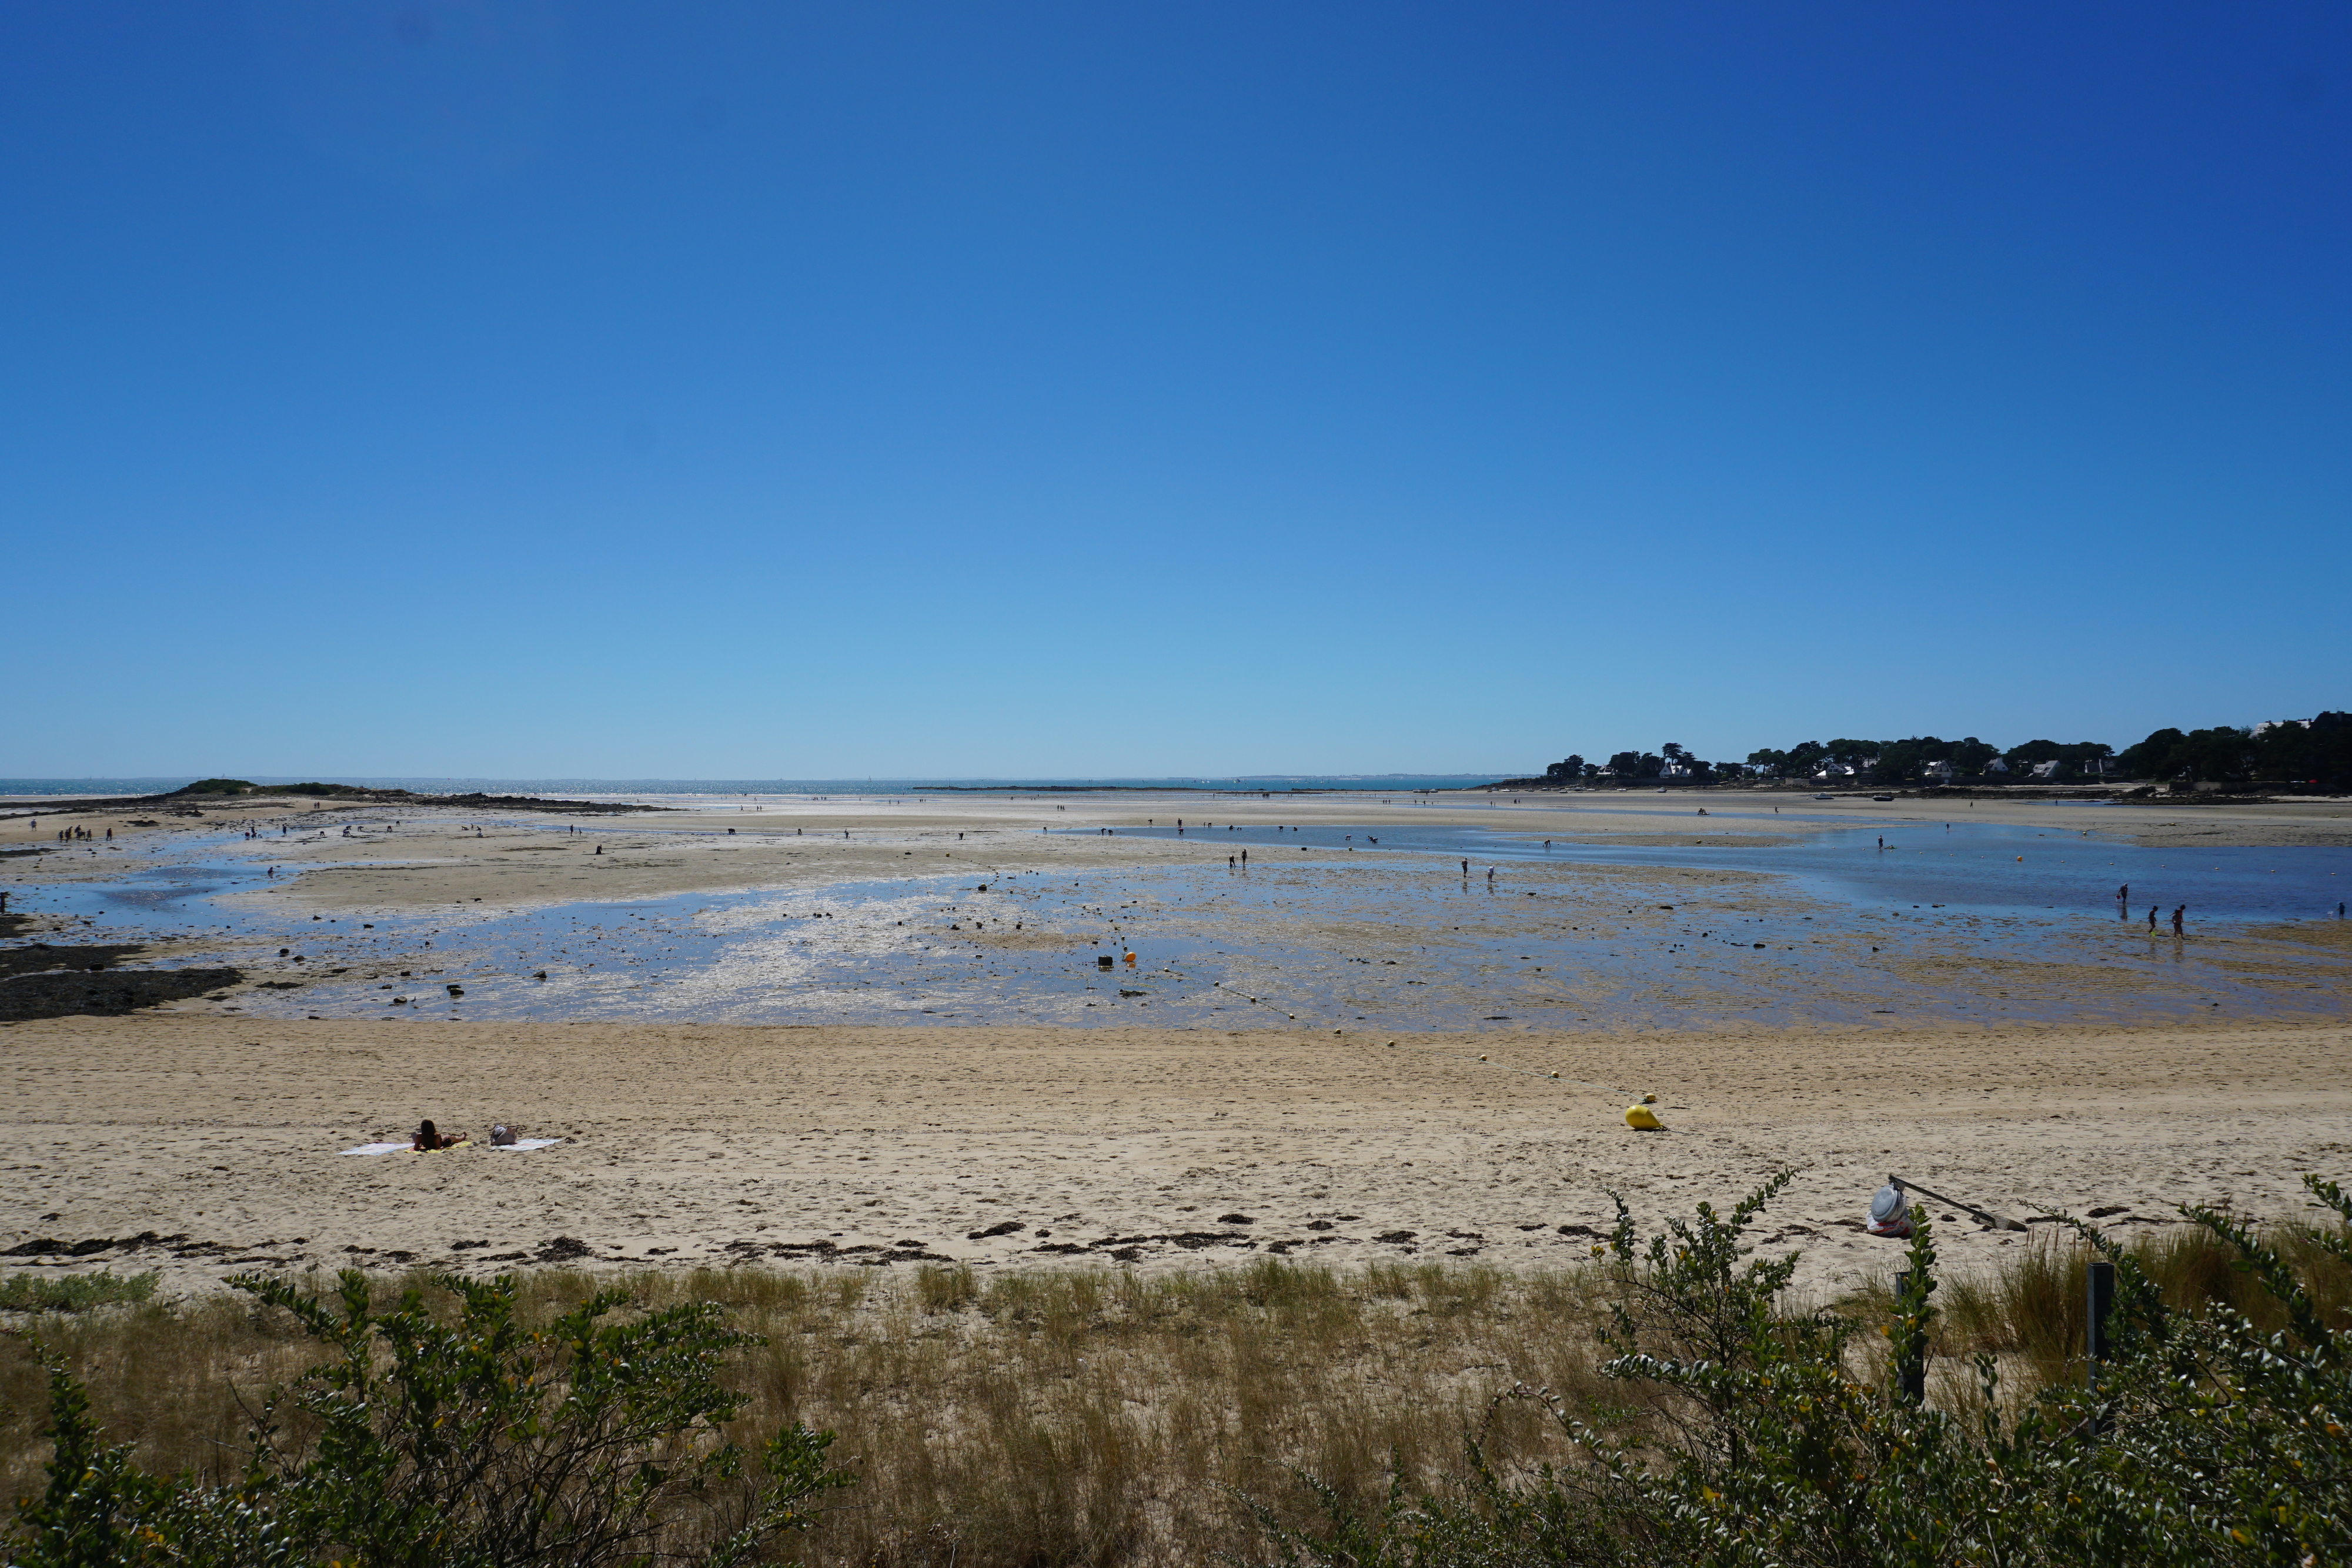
x=2031, y=1314
x=1099, y=1416
x=1078, y=1417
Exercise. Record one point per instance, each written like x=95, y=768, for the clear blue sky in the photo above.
x=775, y=390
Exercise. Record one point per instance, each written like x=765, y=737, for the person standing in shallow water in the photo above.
x=2179, y=912
x=2151, y=919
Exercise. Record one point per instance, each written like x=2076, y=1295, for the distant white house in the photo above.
x=2046, y=769
x=1998, y=764
x=1938, y=772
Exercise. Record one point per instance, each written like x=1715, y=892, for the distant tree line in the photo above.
x=2313, y=751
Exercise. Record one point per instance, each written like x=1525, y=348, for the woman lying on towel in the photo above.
x=429, y=1138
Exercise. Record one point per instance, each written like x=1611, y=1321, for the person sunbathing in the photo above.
x=428, y=1137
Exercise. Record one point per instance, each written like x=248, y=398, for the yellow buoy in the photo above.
x=1649, y=1098
x=1641, y=1119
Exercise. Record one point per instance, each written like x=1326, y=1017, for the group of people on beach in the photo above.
x=2123, y=908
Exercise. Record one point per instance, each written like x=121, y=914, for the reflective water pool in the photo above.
x=1326, y=926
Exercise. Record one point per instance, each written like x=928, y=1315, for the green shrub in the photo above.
x=2217, y=1434
x=455, y=1439
x=73, y=1292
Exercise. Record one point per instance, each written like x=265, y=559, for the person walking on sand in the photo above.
x=1465, y=870
x=2151, y=919
x=2179, y=911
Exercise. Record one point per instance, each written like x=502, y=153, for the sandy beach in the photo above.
x=200, y=1136
x=708, y=1145
x=857, y=1145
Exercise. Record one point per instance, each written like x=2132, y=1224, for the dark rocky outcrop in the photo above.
x=105, y=993
x=37, y=957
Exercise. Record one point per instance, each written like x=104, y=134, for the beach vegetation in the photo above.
x=1674, y=1399
x=450, y=1431
x=27, y=1292
x=2218, y=1429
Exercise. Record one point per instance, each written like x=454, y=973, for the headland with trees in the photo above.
x=2312, y=754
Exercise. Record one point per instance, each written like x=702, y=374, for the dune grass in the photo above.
x=2031, y=1312
x=73, y=1292
x=1096, y=1416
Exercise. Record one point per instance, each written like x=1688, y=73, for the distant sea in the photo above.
x=599, y=788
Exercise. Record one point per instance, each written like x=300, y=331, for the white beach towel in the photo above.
x=374, y=1149
x=527, y=1143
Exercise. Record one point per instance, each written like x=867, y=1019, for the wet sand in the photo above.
x=691, y=1140
x=433, y=856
